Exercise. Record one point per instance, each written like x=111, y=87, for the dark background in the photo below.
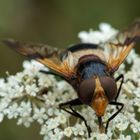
x=55, y=22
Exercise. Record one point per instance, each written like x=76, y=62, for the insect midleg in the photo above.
x=122, y=80
x=70, y=104
x=115, y=114
x=52, y=73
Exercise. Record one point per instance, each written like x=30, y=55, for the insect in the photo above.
x=89, y=68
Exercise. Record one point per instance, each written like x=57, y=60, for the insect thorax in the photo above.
x=91, y=68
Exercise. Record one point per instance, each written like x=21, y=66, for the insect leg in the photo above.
x=70, y=104
x=122, y=80
x=101, y=127
x=52, y=73
x=115, y=114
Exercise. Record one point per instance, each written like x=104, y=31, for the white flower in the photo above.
x=33, y=66
x=46, y=80
x=25, y=109
x=121, y=121
x=122, y=137
x=78, y=130
x=56, y=135
x=102, y=137
x=50, y=111
x=1, y=117
x=4, y=102
x=40, y=115
x=135, y=126
x=44, y=129
x=12, y=111
x=105, y=33
x=52, y=123
x=62, y=118
x=32, y=89
x=68, y=131
x=26, y=121
x=31, y=96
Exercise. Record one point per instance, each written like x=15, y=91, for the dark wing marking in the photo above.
x=76, y=52
x=32, y=50
x=45, y=54
x=117, y=49
x=82, y=46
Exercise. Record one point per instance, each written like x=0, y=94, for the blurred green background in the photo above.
x=55, y=22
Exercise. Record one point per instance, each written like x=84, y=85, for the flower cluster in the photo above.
x=104, y=33
x=31, y=96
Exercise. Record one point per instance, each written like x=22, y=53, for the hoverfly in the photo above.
x=89, y=68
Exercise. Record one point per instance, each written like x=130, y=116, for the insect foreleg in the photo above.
x=119, y=89
x=73, y=112
x=55, y=74
x=115, y=114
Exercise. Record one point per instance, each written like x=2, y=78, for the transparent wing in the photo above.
x=117, y=48
x=45, y=54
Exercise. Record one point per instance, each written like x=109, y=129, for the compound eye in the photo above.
x=109, y=86
x=86, y=90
